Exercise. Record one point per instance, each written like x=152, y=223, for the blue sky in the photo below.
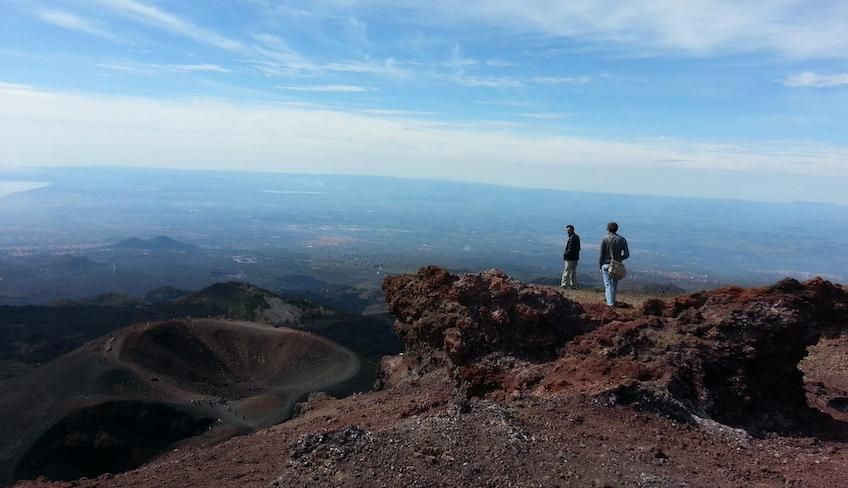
x=707, y=98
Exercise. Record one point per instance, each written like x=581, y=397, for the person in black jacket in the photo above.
x=613, y=246
x=570, y=256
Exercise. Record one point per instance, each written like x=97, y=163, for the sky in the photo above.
x=705, y=98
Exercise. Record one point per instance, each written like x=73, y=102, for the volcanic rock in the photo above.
x=730, y=355
x=477, y=324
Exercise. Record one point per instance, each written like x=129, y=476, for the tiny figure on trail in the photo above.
x=613, y=252
x=571, y=255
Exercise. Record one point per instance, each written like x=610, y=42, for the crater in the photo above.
x=120, y=400
x=236, y=360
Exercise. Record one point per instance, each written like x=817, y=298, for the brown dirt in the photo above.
x=416, y=435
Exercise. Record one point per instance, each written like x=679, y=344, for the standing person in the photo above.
x=613, y=246
x=571, y=255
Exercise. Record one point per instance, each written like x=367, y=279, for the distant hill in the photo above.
x=161, y=243
x=240, y=299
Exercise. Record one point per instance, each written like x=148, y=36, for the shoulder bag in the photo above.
x=615, y=268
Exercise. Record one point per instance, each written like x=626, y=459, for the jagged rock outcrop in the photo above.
x=730, y=355
x=458, y=321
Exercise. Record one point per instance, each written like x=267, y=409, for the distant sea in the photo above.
x=9, y=187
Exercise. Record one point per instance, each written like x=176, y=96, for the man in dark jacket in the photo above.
x=617, y=245
x=571, y=256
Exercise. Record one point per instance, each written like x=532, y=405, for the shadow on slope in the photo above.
x=109, y=437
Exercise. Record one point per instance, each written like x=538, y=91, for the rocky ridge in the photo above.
x=507, y=384
x=730, y=355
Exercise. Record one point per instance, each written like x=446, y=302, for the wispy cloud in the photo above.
x=388, y=67
x=300, y=66
x=87, y=129
x=282, y=59
x=562, y=80
x=499, y=63
x=457, y=60
x=792, y=28
x=14, y=87
x=543, y=115
x=215, y=134
x=484, y=81
x=275, y=47
x=327, y=88
x=815, y=80
x=70, y=21
x=162, y=19
x=507, y=103
x=391, y=112
x=152, y=68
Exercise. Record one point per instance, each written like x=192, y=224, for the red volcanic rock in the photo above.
x=731, y=354
x=450, y=320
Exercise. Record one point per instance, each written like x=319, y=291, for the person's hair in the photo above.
x=569, y=226
x=612, y=227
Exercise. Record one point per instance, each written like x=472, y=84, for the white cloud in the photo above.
x=562, y=80
x=152, y=68
x=206, y=67
x=327, y=88
x=50, y=128
x=506, y=103
x=7, y=87
x=499, y=63
x=457, y=60
x=276, y=49
x=543, y=115
x=392, y=113
x=815, y=80
x=388, y=67
x=483, y=81
x=164, y=20
x=792, y=28
x=282, y=60
x=67, y=20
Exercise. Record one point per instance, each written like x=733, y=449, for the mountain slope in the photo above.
x=506, y=384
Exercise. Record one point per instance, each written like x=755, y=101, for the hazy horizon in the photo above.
x=9, y=177
x=349, y=230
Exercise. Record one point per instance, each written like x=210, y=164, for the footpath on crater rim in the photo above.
x=508, y=384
